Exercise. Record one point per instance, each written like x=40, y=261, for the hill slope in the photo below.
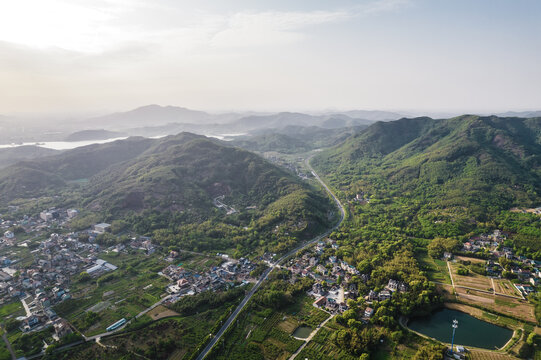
x=171, y=185
x=470, y=164
x=12, y=155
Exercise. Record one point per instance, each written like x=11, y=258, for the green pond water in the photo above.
x=302, y=332
x=470, y=331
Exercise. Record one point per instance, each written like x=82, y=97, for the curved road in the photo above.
x=265, y=274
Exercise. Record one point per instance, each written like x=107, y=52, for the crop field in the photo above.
x=119, y=294
x=520, y=309
x=472, y=280
x=159, y=312
x=471, y=259
x=12, y=309
x=288, y=325
x=322, y=348
x=504, y=286
x=489, y=355
x=199, y=263
x=266, y=333
x=172, y=338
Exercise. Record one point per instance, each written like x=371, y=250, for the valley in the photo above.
x=239, y=250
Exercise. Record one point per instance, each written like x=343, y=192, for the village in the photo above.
x=187, y=282
x=502, y=262
x=39, y=268
x=334, y=280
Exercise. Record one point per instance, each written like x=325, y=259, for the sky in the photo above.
x=96, y=56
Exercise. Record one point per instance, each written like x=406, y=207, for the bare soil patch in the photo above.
x=160, y=311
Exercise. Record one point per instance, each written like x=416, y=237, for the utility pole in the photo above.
x=454, y=326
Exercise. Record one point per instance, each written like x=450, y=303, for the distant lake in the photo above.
x=62, y=145
x=470, y=332
x=68, y=145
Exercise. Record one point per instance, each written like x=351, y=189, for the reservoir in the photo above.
x=470, y=331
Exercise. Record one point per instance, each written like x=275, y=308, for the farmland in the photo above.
x=264, y=332
x=121, y=294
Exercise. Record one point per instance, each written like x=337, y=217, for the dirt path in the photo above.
x=451, y=275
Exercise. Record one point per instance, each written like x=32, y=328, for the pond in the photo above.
x=470, y=331
x=302, y=332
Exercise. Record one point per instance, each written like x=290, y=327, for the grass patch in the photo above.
x=435, y=269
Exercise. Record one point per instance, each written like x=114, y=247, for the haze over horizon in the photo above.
x=95, y=57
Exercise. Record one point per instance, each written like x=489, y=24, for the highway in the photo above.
x=265, y=274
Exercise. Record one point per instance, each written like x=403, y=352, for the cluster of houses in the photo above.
x=387, y=293
x=334, y=279
x=288, y=165
x=53, y=214
x=524, y=269
x=488, y=242
x=334, y=273
x=362, y=198
x=40, y=277
x=188, y=282
x=45, y=282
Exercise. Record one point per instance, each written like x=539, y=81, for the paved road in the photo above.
x=8, y=345
x=263, y=277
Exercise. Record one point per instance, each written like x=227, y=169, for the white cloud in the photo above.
x=380, y=6
x=100, y=25
x=247, y=29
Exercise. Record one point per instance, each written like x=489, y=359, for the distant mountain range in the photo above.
x=156, y=120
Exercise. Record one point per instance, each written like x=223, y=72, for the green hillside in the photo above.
x=295, y=139
x=48, y=175
x=449, y=172
x=169, y=187
x=12, y=155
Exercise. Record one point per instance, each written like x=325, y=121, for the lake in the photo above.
x=470, y=331
x=302, y=332
x=68, y=145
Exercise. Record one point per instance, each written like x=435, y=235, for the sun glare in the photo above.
x=52, y=24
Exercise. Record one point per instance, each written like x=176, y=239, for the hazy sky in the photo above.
x=102, y=55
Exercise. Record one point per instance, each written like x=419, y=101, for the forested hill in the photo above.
x=172, y=183
x=470, y=164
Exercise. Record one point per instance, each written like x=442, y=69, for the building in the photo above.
x=368, y=312
x=62, y=328
x=9, y=235
x=116, y=325
x=101, y=228
x=320, y=302
x=72, y=213
x=46, y=216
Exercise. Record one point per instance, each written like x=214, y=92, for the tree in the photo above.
x=84, y=276
x=532, y=339
x=436, y=248
x=430, y=352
